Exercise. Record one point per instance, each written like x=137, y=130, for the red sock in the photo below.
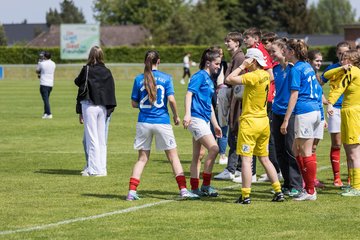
x=300, y=163
x=335, y=161
x=194, y=182
x=206, y=179
x=309, y=173
x=181, y=181
x=134, y=182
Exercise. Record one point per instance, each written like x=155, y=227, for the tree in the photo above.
x=331, y=14
x=207, y=23
x=69, y=14
x=3, y=40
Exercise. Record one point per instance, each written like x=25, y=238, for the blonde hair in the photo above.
x=96, y=55
x=300, y=48
x=151, y=58
x=353, y=56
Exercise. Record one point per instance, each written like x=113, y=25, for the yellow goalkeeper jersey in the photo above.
x=257, y=84
x=345, y=82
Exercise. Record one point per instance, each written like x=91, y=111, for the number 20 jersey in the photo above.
x=156, y=113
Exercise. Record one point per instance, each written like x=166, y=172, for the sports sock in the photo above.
x=356, y=178
x=276, y=186
x=206, y=179
x=245, y=192
x=181, y=181
x=309, y=173
x=351, y=176
x=133, y=183
x=194, y=182
x=299, y=161
x=335, y=161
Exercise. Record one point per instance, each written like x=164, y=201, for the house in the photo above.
x=316, y=39
x=23, y=32
x=352, y=33
x=128, y=35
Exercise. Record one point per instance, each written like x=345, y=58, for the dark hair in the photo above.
x=253, y=32
x=269, y=37
x=47, y=55
x=151, y=58
x=300, y=48
x=96, y=55
x=343, y=44
x=235, y=36
x=210, y=55
x=312, y=54
x=353, y=55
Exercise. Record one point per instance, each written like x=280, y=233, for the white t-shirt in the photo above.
x=47, y=70
x=186, y=61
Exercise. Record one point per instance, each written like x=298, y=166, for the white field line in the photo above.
x=41, y=227
x=131, y=209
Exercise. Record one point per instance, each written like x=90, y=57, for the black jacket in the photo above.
x=100, y=84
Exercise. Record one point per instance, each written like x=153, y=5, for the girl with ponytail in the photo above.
x=151, y=92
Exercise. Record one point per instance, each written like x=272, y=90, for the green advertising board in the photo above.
x=76, y=40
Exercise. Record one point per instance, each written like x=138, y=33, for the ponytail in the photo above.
x=300, y=48
x=151, y=58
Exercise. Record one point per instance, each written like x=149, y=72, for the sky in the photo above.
x=34, y=11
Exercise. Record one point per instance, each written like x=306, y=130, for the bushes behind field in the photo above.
x=168, y=54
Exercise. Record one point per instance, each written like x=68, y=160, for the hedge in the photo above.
x=168, y=54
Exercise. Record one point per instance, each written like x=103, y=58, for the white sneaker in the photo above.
x=304, y=196
x=280, y=177
x=239, y=179
x=264, y=178
x=224, y=175
x=253, y=178
x=182, y=81
x=223, y=160
x=46, y=116
x=237, y=173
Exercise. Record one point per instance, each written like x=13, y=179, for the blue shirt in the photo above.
x=282, y=89
x=202, y=88
x=303, y=80
x=338, y=104
x=156, y=113
x=319, y=92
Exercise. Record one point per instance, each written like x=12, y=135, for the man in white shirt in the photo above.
x=186, y=62
x=46, y=70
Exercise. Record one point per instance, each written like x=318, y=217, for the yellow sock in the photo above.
x=356, y=178
x=245, y=192
x=276, y=186
x=351, y=176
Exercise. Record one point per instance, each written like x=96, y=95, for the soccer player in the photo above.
x=304, y=104
x=198, y=113
x=292, y=184
x=253, y=39
x=334, y=120
x=151, y=92
x=253, y=138
x=230, y=107
x=346, y=80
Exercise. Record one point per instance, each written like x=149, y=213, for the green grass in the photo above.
x=40, y=163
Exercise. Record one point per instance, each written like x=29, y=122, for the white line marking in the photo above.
x=41, y=227
x=132, y=209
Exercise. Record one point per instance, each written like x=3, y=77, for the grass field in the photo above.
x=43, y=196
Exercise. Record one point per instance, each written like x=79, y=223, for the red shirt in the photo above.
x=269, y=63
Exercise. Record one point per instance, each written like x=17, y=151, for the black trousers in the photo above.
x=284, y=152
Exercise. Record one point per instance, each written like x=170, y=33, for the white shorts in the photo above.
x=334, y=121
x=164, y=136
x=307, y=124
x=319, y=132
x=223, y=106
x=199, y=128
